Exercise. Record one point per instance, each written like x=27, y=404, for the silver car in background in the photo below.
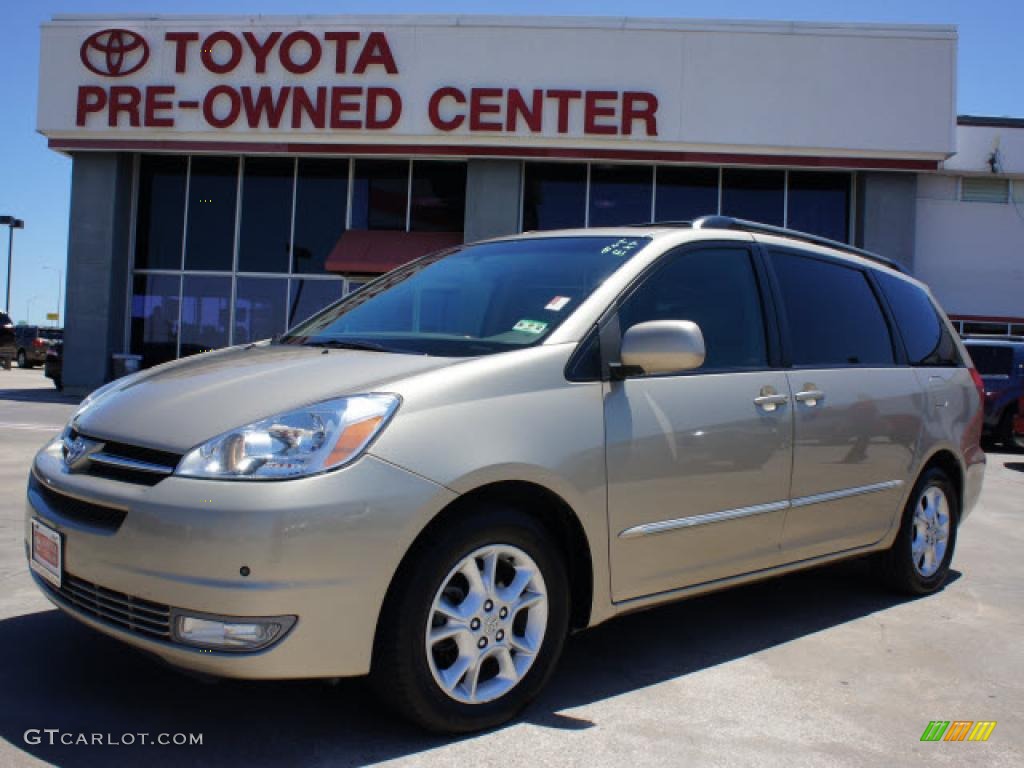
x=438, y=477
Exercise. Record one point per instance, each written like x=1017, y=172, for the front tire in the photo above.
x=918, y=562
x=474, y=623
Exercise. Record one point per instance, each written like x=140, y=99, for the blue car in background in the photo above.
x=1000, y=361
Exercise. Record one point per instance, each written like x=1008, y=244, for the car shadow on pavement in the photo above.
x=57, y=674
x=38, y=395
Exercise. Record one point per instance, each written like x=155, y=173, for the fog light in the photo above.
x=236, y=635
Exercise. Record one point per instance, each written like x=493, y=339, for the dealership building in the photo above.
x=233, y=175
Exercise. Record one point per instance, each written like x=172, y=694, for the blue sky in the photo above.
x=35, y=182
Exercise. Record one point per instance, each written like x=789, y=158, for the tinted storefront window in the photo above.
x=310, y=296
x=620, y=194
x=259, y=308
x=438, y=196
x=155, y=318
x=380, y=193
x=321, y=197
x=213, y=186
x=161, y=212
x=754, y=195
x=205, y=306
x=819, y=203
x=265, y=232
x=684, y=194
x=554, y=196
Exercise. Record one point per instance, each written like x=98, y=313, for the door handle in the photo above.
x=809, y=395
x=768, y=400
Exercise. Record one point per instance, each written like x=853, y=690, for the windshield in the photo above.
x=477, y=300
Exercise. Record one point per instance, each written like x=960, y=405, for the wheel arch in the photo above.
x=547, y=508
x=946, y=460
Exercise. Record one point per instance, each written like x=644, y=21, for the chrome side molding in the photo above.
x=664, y=526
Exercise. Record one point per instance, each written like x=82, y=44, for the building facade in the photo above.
x=232, y=175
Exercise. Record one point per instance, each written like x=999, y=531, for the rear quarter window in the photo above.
x=926, y=337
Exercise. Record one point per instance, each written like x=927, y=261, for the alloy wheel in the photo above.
x=487, y=624
x=930, y=535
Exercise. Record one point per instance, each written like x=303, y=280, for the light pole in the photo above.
x=12, y=224
x=28, y=310
x=60, y=295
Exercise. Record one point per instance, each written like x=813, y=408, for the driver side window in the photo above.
x=715, y=288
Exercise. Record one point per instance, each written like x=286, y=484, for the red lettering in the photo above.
x=434, y=108
x=153, y=104
x=563, y=98
x=124, y=98
x=592, y=110
x=376, y=52
x=206, y=54
x=478, y=107
x=373, y=121
x=91, y=98
x=261, y=50
x=234, y=106
x=631, y=111
x=339, y=106
x=315, y=111
x=264, y=104
x=517, y=108
x=181, y=42
x=296, y=67
x=341, y=41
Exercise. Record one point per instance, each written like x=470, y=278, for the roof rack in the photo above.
x=728, y=222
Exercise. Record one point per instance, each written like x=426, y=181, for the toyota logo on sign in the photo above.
x=115, y=52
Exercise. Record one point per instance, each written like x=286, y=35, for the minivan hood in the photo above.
x=177, y=406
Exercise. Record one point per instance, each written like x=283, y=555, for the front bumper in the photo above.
x=323, y=549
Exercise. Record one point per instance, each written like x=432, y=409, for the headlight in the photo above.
x=302, y=442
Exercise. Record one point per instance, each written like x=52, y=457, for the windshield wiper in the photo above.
x=348, y=344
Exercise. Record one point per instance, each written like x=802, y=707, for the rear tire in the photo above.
x=519, y=604
x=22, y=359
x=918, y=561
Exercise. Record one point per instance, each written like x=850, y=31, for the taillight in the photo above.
x=978, y=383
x=38, y=343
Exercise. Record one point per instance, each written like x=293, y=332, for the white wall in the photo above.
x=971, y=254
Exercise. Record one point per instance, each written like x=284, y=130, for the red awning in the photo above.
x=361, y=251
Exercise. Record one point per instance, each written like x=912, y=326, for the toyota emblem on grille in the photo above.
x=78, y=451
x=115, y=52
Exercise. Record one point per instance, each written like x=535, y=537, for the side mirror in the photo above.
x=663, y=346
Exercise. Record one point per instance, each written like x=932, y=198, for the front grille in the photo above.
x=129, y=463
x=78, y=510
x=134, y=614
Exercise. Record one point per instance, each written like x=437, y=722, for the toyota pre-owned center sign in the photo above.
x=841, y=90
x=236, y=173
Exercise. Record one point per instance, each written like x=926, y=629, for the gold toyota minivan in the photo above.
x=438, y=477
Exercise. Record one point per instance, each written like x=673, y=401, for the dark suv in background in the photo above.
x=1000, y=361
x=8, y=345
x=33, y=342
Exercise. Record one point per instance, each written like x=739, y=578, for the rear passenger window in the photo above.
x=926, y=337
x=715, y=288
x=832, y=313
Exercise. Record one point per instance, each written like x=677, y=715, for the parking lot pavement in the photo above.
x=820, y=668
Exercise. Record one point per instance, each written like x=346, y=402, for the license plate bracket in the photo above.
x=47, y=552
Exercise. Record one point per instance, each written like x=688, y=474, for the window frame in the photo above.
x=608, y=327
x=895, y=341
